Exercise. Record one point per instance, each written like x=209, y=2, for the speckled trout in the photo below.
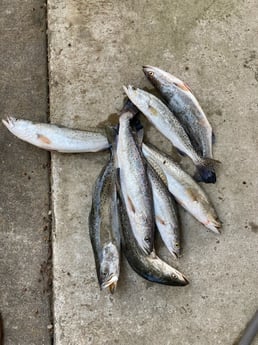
x=57, y=138
x=148, y=266
x=165, y=213
x=185, y=106
x=135, y=186
x=167, y=123
x=104, y=228
x=185, y=190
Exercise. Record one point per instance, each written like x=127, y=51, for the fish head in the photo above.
x=109, y=267
x=159, y=78
x=140, y=98
x=168, y=275
x=165, y=82
x=17, y=126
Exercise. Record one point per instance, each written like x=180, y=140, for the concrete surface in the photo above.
x=24, y=201
x=95, y=48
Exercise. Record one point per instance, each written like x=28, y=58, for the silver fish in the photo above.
x=148, y=266
x=104, y=228
x=165, y=213
x=184, y=105
x=52, y=137
x=166, y=122
x=135, y=185
x=185, y=190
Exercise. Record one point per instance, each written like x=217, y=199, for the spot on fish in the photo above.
x=153, y=111
x=192, y=194
x=184, y=87
x=44, y=139
x=160, y=220
x=131, y=204
x=254, y=227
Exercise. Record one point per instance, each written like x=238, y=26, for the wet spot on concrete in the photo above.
x=251, y=63
x=256, y=74
x=218, y=112
x=151, y=90
x=254, y=227
x=112, y=120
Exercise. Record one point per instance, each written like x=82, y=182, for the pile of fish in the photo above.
x=138, y=190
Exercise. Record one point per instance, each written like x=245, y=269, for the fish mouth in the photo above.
x=110, y=282
x=9, y=122
x=131, y=92
x=175, y=254
x=147, y=67
x=185, y=281
x=129, y=88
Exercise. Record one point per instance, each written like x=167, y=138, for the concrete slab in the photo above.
x=24, y=201
x=95, y=48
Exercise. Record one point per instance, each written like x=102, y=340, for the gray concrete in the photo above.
x=24, y=201
x=95, y=48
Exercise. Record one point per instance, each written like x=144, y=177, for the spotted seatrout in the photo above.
x=184, y=105
x=165, y=213
x=185, y=190
x=52, y=137
x=167, y=123
x=148, y=266
x=135, y=186
x=104, y=228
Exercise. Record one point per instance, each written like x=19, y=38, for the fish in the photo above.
x=167, y=123
x=182, y=102
x=57, y=138
x=148, y=266
x=135, y=186
x=104, y=228
x=165, y=211
x=184, y=188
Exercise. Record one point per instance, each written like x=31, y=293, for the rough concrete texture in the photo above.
x=95, y=48
x=24, y=201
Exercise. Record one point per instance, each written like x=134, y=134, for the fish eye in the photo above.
x=177, y=244
x=147, y=239
x=151, y=74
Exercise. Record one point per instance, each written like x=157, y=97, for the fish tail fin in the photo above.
x=206, y=170
x=129, y=106
x=111, y=133
x=9, y=122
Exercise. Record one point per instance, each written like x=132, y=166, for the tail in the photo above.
x=111, y=133
x=205, y=170
x=129, y=106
